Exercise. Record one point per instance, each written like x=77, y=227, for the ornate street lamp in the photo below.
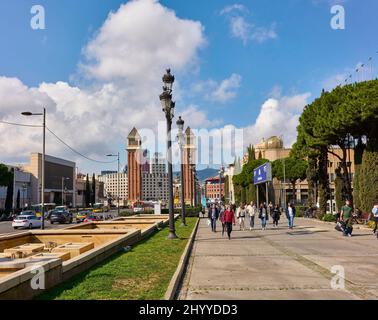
x=168, y=108
x=181, y=141
x=29, y=114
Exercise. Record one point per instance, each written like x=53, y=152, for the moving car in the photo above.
x=82, y=215
x=61, y=217
x=91, y=218
x=26, y=221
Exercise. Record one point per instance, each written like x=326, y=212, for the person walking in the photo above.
x=291, y=215
x=346, y=217
x=252, y=210
x=213, y=216
x=263, y=216
x=276, y=215
x=375, y=218
x=221, y=219
x=242, y=214
x=229, y=220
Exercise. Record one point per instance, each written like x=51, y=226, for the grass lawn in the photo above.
x=142, y=273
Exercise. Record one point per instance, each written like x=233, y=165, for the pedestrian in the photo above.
x=229, y=220
x=242, y=213
x=276, y=215
x=375, y=218
x=213, y=217
x=263, y=216
x=252, y=210
x=291, y=215
x=221, y=219
x=346, y=217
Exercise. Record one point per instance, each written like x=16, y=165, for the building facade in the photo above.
x=60, y=177
x=155, y=181
x=214, y=191
x=110, y=182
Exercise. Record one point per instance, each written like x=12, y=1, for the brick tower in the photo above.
x=134, y=172
x=189, y=165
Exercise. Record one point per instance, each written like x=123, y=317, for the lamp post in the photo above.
x=24, y=188
x=28, y=114
x=180, y=138
x=168, y=108
x=221, y=172
x=63, y=179
x=118, y=181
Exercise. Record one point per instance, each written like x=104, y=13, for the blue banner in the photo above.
x=263, y=174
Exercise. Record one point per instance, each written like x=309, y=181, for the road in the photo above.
x=282, y=264
x=6, y=226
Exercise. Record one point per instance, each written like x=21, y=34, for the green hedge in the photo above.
x=329, y=217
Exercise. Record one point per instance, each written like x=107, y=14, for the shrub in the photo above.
x=329, y=217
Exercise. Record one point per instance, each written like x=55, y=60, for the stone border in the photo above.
x=171, y=292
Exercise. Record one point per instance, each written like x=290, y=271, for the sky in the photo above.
x=96, y=67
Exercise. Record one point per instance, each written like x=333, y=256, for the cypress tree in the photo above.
x=87, y=192
x=93, y=192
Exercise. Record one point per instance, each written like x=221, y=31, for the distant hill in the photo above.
x=203, y=174
x=206, y=173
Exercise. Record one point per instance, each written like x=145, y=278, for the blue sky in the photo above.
x=298, y=54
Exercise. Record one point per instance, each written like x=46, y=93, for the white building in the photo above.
x=111, y=185
x=155, y=183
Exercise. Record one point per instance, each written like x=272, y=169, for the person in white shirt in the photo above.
x=252, y=210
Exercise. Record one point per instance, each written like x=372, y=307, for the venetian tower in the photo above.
x=134, y=172
x=189, y=167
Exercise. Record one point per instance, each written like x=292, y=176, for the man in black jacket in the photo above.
x=213, y=217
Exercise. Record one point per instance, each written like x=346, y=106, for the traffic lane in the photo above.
x=6, y=227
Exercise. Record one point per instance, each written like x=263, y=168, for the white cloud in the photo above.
x=241, y=28
x=226, y=91
x=140, y=40
x=233, y=7
x=222, y=92
x=278, y=116
x=124, y=64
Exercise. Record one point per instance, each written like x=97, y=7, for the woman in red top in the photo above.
x=229, y=220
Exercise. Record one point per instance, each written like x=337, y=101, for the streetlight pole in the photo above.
x=118, y=180
x=63, y=179
x=168, y=108
x=27, y=113
x=221, y=171
x=180, y=137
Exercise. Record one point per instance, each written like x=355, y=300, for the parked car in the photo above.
x=82, y=215
x=92, y=218
x=61, y=217
x=26, y=221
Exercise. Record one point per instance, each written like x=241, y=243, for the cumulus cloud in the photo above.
x=141, y=39
x=278, y=116
x=221, y=92
x=241, y=27
x=123, y=64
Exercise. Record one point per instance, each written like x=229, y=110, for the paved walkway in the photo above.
x=281, y=264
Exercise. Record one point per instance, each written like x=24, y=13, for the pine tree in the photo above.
x=87, y=192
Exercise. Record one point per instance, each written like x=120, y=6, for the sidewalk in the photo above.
x=280, y=264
